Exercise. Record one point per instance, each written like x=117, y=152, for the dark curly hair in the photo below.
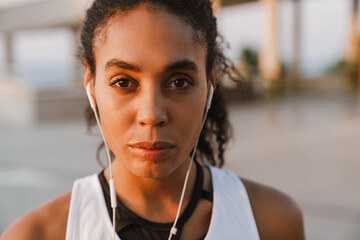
x=199, y=15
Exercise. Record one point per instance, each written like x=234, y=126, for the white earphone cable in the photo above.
x=111, y=181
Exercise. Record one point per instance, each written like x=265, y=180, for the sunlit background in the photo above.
x=296, y=120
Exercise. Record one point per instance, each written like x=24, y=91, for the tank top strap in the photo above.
x=232, y=216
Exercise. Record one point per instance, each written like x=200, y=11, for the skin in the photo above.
x=151, y=102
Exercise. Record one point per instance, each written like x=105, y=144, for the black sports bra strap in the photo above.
x=206, y=195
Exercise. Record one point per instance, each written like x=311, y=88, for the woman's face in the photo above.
x=150, y=89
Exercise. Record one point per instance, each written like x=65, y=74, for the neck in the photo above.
x=156, y=199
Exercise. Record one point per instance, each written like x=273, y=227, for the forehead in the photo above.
x=147, y=36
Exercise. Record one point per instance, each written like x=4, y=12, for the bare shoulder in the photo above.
x=46, y=222
x=276, y=214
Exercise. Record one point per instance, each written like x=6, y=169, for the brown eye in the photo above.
x=124, y=84
x=180, y=83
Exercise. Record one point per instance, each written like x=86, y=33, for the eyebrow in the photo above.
x=184, y=64
x=121, y=64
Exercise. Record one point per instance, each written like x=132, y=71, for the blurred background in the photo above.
x=296, y=119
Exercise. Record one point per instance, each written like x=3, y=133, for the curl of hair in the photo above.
x=199, y=14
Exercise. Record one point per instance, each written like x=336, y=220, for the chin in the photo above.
x=155, y=170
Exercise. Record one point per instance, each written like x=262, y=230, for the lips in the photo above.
x=152, y=145
x=152, y=151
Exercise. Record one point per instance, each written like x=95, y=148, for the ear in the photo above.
x=88, y=79
x=212, y=80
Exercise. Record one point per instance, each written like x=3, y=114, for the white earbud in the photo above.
x=211, y=94
x=91, y=100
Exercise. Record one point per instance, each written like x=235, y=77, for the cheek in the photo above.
x=190, y=114
x=115, y=115
x=189, y=120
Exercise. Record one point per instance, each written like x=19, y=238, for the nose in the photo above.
x=151, y=109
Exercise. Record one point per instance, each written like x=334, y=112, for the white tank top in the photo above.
x=232, y=217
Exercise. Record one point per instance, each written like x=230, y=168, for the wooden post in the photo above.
x=353, y=44
x=269, y=60
x=297, y=33
x=216, y=5
x=351, y=55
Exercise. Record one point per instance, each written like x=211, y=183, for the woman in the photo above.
x=149, y=69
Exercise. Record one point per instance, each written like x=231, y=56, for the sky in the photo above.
x=324, y=38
